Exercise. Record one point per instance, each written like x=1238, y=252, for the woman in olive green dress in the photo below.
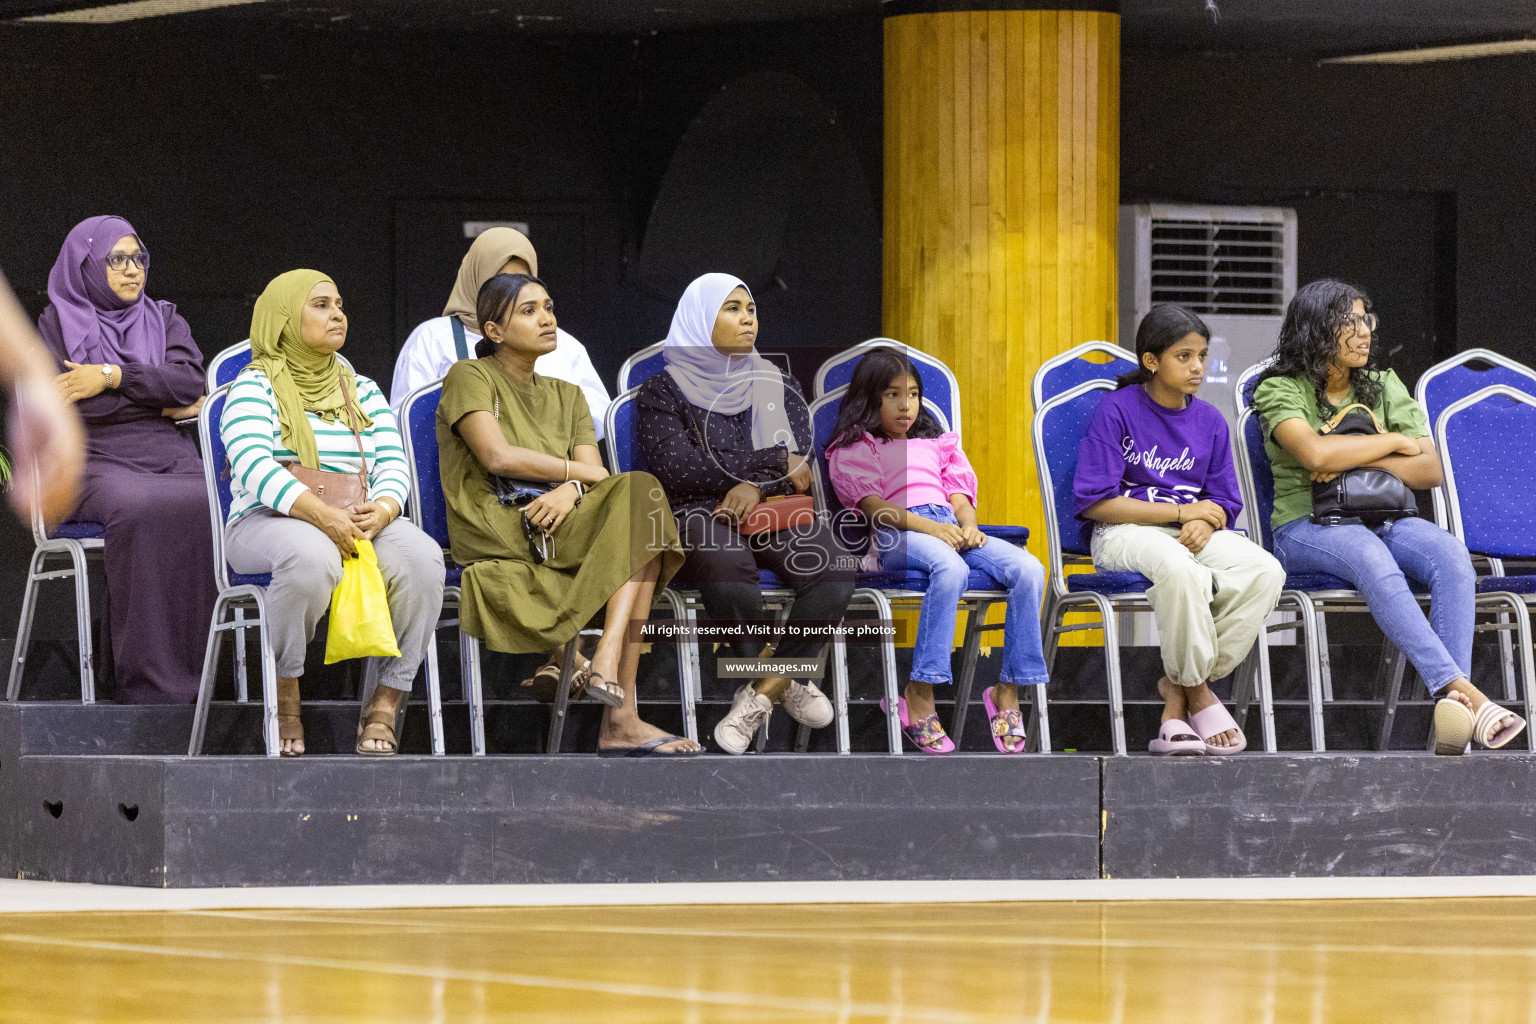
x=592, y=540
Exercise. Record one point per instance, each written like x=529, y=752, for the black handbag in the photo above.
x=1363, y=496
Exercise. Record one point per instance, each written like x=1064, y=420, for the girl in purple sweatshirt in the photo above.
x=1156, y=494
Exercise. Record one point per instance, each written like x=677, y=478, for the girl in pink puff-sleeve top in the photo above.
x=889, y=459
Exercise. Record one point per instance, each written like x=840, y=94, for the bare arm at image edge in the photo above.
x=44, y=432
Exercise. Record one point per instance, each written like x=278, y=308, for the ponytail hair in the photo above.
x=1160, y=330
x=497, y=295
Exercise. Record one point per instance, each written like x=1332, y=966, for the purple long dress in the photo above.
x=144, y=483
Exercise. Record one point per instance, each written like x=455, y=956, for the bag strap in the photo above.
x=350, y=398
x=460, y=342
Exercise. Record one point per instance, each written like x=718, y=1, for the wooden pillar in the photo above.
x=1002, y=178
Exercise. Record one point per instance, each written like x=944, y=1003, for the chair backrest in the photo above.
x=622, y=424
x=226, y=366
x=643, y=364
x=1058, y=430
x=849, y=524
x=1486, y=445
x=418, y=434
x=216, y=477
x=1456, y=378
x=1062, y=373
x=1242, y=382
x=940, y=388
x=1254, y=476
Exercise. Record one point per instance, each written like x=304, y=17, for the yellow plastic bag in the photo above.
x=360, y=626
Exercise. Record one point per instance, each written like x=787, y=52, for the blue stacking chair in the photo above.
x=1059, y=427
x=1453, y=379
x=80, y=543
x=1485, y=442
x=882, y=591
x=429, y=511
x=1312, y=595
x=242, y=593
x=940, y=388
x=1062, y=373
x=625, y=456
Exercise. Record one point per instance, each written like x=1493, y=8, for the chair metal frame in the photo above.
x=1521, y=606
x=81, y=551
x=685, y=603
x=950, y=407
x=250, y=596
x=1037, y=384
x=627, y=369
x=1252, y=677
x=1239, y=389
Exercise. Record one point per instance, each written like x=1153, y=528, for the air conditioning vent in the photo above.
x=1213, y=266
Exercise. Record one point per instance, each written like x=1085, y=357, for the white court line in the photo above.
x=48, y=897
x=808, y=1005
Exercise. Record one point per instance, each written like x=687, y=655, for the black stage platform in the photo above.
x=98, y=794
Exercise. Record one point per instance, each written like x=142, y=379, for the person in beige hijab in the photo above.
x=436, y=345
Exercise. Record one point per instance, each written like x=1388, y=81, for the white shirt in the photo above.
x=430, y=351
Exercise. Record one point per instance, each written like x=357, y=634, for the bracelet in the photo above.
x=1178, y=513
x=567, y=470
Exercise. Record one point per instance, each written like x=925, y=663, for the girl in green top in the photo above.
x=1323, y=363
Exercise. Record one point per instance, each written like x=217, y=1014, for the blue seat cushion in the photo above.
x=454, y=576
x=914, y=579
x=1512, y=584
x=1311, y=581
x=1107, y=583
x=259, y=579
x=79, y=531
x=1011, y=534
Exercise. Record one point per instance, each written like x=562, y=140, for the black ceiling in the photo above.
x=1283, y=27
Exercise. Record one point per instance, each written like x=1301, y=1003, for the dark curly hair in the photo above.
x=859, y=414
x=1309, y=343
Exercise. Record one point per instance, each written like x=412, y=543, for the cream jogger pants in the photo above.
x=1210, y=606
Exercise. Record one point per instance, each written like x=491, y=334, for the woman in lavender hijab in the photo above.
x=129, y=365
x=1155, y=492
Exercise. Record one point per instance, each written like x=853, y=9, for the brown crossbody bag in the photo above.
x=346, y=491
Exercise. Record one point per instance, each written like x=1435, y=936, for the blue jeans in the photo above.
x=1379, y=563
x=1013, y=568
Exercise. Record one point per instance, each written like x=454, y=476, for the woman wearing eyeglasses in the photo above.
x=548, y=537
x=129, y=365
x=1324, y=371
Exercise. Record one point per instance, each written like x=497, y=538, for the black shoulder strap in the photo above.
x=460, y=342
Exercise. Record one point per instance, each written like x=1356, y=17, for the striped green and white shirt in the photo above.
x=253, y=440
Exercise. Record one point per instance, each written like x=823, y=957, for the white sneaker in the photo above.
x=748, y=712
x=808, y=705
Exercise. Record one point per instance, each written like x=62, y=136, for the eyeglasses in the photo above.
x=1355, y=321
x=119, y=261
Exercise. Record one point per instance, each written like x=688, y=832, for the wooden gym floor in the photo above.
x=1399, y=961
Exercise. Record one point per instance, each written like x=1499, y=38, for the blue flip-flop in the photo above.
x=649, y=749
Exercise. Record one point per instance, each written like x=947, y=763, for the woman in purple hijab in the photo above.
x=130, y=366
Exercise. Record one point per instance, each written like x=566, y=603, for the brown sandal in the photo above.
x=378, y=724
x=541, y=685
x=289, y=727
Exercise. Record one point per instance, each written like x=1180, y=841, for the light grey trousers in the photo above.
x=306, y=567
x=1209, y=606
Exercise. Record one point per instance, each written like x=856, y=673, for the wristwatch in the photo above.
x=106, y=371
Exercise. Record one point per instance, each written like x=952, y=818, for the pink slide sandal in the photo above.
x=1176, y=739
x=1489, y=715
x=1212, y=721
x=1005, y=724
x=926, y=732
